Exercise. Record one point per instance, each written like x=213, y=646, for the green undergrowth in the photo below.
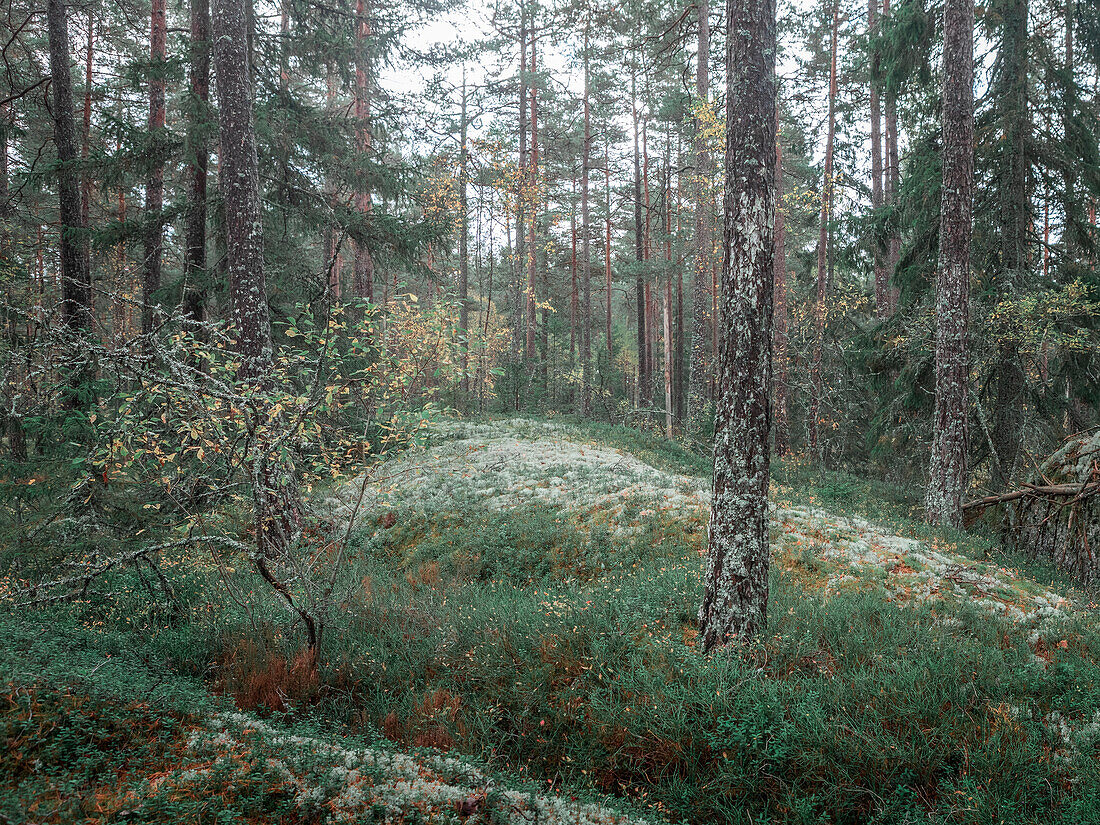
x=97, y=730
x=850, y=710
x=554, y=652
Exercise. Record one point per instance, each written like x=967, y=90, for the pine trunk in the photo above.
x=364, y=264
x=667, y=319
x=86, y=134
x=574, y=293
x=239, y=181
x=76, y=287
x=639, y=254
x=463, y=246
x=892, y=183
x=779, y=332
x=817, y=388
x=198, y=126
x=333, y=263
x=947, y=481
x=533, y=184
x=882, y=283
x=701, y=298
x=154, y=187
x=520, y=257
x=607, y=255
x=1015, y=213
x=586, y=252
x=736, y=581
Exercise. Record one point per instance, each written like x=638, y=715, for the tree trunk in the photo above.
x=12, y=418
x=639, y=250
x=586, y=252
x=1072, y=230
x=679, y=332
x=154, y=187
x=779, y=332
x=650, y=302
x=521, y=182
x=198, y=126
x=86, y=135
x=817, y=389
x=892, y=184
x=667, y=301
x=364, y=263
x=947, y=481
x=1015, y=217
x=735, y=595
x=882, y=283
x=240, y=189
x=76, y=287
x=533, y=187
x=607, y=256
x=574, y=293
x=333, y=263
x=463, y=246
x=667, y=313
x=701, y=298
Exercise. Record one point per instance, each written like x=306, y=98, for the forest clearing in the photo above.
x=550, y=412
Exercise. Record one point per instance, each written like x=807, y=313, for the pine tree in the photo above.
x=1015, y=216
x=947, y=479
x=698, y=380
x=76, y=286
x=194, y=268
x=779, y=328
x=239, y=182
x=735, y=595
x=154, y=188
x=817, y=379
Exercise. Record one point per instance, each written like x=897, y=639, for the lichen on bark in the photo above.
x=735, y=597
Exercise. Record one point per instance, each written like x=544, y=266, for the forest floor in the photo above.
x=515, y=642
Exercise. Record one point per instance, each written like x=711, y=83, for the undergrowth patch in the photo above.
x=554, y=647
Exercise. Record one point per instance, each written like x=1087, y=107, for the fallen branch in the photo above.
x=1078, y=490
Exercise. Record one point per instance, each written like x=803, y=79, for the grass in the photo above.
x=560, y=653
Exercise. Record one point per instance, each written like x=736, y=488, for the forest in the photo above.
x=650, y=412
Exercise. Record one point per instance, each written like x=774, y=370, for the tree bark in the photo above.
x=817, y=389
x=667, y=299
x=607, y=256
x=735, y=596
x=333, y=263
x=782, y=435
x=586, y=252
x=533, y=187
x=364, y=263
x=1072, y=230
x=1015, y=219
x=198, y=126
x=463, y=245
x=892, y=184
x=947, y=480
x=76, y=287
x=701, y=298
x=882, y=283
x=240, y=189
x=521, y=180
x=639, y=250
x=153, y=242
x=650, y=302
x=86, y=135
x=574, y=292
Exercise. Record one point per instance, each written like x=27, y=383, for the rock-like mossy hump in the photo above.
x=497, y=466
